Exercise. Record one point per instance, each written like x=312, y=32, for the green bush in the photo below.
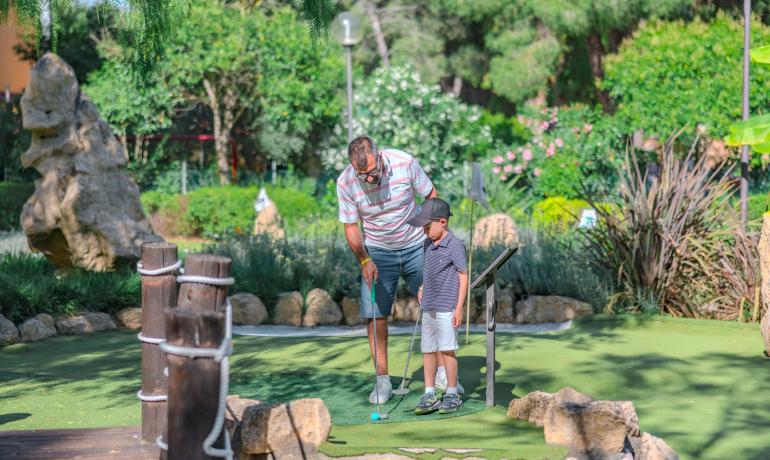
x=758, y=205
x=674, y=74
x=13, y=195
x=557, y=213
x=30, y=285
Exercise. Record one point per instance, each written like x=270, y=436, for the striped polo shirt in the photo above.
x=440, y=282
x=386, y=207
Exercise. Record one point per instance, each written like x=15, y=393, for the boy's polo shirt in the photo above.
x=441, y=284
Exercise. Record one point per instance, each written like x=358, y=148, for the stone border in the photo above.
x=393, y=329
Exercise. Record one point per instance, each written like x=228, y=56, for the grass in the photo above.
x=700, y=385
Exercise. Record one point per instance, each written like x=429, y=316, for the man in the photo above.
x=378, y=188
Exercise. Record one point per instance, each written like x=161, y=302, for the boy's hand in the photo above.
x=419, y=295
x=457, y=318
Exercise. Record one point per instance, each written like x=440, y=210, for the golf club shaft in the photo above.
x=374, y=341
x=411, y=347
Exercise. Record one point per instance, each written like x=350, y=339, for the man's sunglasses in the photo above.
x=375, y=172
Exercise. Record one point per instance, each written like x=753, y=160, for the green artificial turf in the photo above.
x=700, y=385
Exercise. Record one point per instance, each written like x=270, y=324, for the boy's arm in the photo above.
x=457, y=319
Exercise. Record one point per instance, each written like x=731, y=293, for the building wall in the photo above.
x=13, y=72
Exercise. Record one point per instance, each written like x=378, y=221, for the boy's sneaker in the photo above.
x=383, y=389
x=429, y=402
x=450, y=403
x=441, y=383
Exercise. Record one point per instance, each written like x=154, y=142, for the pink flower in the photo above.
x=551, y=150
x=559, y=143
x=508, y=168
x=527, y=155
x=503, y=177
x=498, y=160
x=765, y=158
x=588, y=127
x=518, y=169
x=520, y=118
x=544, y=125
x=537, y=172
x=496, y=170
x=511, y=156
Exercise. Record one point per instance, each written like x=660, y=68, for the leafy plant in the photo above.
x=13, y=195
x=670, y=239
x=557, y=213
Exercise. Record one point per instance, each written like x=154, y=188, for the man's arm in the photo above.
x=356, y=244
x=433, y=194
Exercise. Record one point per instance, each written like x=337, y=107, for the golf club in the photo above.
x=376, y=415
x=401, y=391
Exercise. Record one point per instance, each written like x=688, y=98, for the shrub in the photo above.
x=30, y=285
x=568, y=148
x=397, y=110
x=659, y=76
x=13, y=195
x=674, y=246
x=557, y=213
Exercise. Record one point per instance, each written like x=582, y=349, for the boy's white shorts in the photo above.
x=437, y=332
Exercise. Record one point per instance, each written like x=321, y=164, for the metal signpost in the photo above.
x=487, y=278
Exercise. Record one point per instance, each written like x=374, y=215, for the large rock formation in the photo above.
x=85, y=211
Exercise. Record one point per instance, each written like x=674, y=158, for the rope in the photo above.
x=219, y=355
x=151, y=398
x=150, y=340
x=205, y=280
x=159, y=442
x=158, y=271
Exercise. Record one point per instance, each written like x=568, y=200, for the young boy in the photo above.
x=442, y=295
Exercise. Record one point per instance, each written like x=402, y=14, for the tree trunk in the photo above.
x=382, y=46
x=457, y=86
x=221, y=136
x=595, y=55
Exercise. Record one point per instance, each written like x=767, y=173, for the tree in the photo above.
x=148, y=23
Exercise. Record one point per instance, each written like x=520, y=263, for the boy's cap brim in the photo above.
x=432, y=209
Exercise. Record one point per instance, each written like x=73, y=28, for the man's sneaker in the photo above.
x=450, y=403
x=383, y=388
x=441, y=383
x=429, y=402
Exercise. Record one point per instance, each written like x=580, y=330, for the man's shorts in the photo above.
x=391, y=265
x=437, y=332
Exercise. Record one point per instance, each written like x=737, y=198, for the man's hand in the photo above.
x=457, y=318
x=369, y=271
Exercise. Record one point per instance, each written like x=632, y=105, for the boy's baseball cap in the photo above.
x=432, y=209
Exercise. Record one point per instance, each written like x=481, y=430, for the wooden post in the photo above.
x=491, y=310
x=194, y=383
x=158, y=292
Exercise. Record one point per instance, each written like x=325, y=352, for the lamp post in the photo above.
x=347, y=30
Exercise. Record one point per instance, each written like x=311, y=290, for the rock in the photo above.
x=234, y=413
x=130, y=318
x=651, y=448
x=282, y=427
x=552, y=308
x=248, y=309
x=584, y=425
x=531, y=407
x=37, y=328
x=85, y=211
x=8, y=332
x=495, y=229
x=88, y=322
x=764, y=268
x=351, y=311
x=505, y=312
x=406, y=309
x=288, y=310
x=321, y=309
x=716, y=153
x=268, y=220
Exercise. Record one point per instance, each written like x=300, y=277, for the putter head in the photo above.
x=401, y=391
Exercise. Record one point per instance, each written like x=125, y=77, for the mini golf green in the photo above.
x=700, y=385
